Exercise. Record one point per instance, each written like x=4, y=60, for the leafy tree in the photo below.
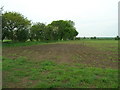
x=65, y=29
x=48, y=33
x=51, y=33
x=15, y=26
x=93, y=37
x=84, y=37
x=37, y=31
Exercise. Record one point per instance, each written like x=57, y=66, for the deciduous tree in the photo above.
x=15, y=26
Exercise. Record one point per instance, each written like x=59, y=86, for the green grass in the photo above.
x=48, y=74
x=19, y=44
x=8, y=43
x=96, y=43
x=25, y=73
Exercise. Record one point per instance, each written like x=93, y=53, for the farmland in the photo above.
x=61, y=64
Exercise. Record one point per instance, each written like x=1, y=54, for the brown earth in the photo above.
x=64, y=53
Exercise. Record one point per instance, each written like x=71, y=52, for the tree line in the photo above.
x=99, y=38
x=16, y=27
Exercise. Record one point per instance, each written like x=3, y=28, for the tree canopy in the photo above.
x=37, y=31
x=65, y=29
x=16, y=27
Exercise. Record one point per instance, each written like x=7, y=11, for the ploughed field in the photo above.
x=67, y=64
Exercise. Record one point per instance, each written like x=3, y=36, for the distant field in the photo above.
x=63, y=64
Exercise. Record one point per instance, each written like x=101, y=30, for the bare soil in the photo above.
x=64, y=53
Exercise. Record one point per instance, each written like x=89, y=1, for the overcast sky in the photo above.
x=91, y=17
